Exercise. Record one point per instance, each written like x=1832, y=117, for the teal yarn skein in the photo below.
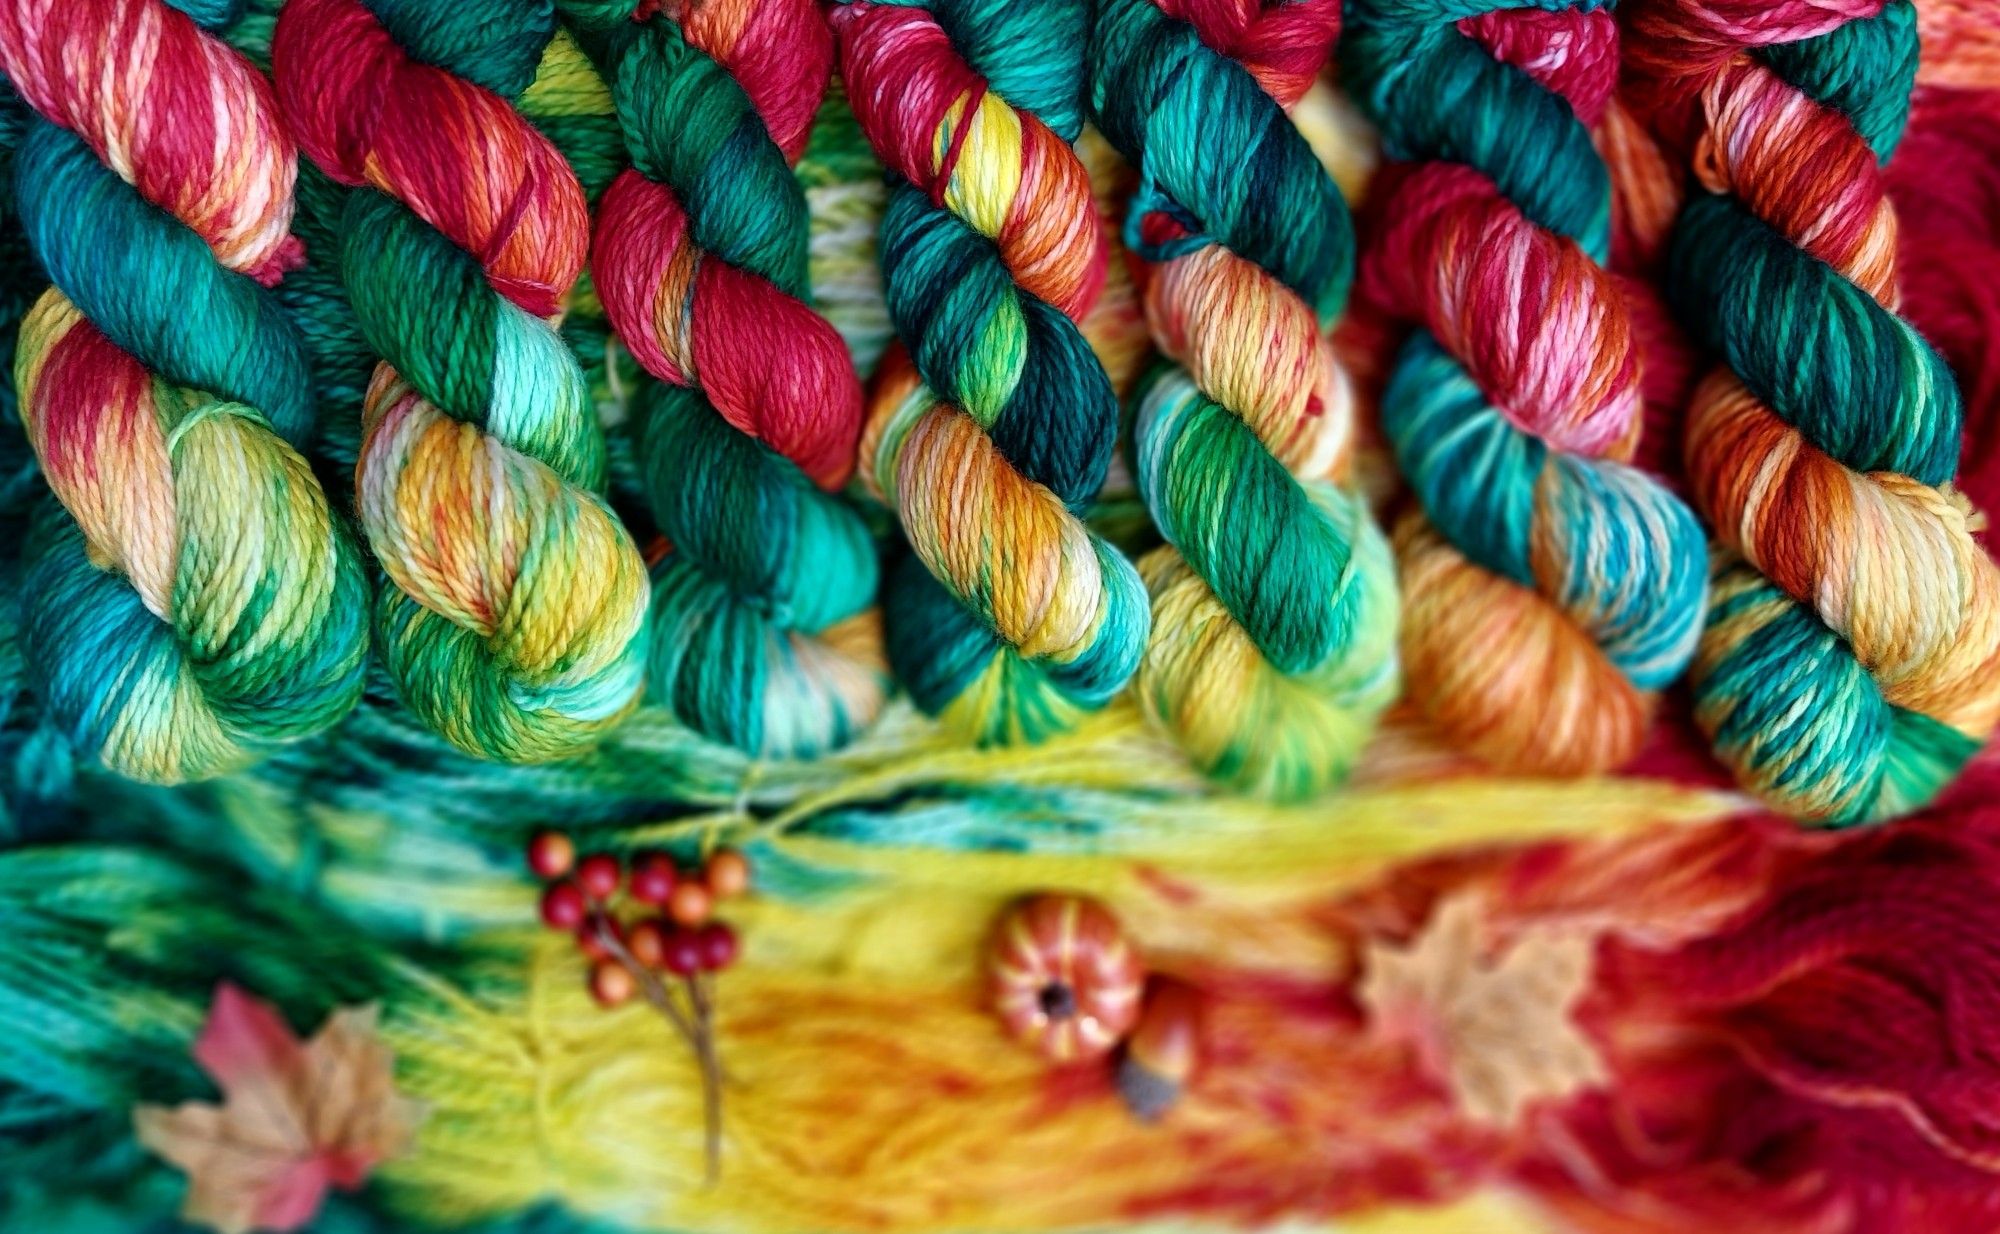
x=1850, y=664
x=199, y=604
x=515, y=623
x=1274, y=600
x=993, y=430
x=765, y=634
x=1515, y=407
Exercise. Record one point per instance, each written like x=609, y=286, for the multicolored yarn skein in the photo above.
x=516, y=621
x=1274, y=602
x=1851, y=660
x=1013, y=620
x=204, y=605
x=1549, y=587
x=764, y=630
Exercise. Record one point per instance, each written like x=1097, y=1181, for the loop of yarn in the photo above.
x=1555, y=587
x=1851, y=660
x=1274, y=600
x=1012, y=620
x=515, y=625
x=764, y=628
x=201, y=604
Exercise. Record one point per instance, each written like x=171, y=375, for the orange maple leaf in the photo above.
x=296, y=1118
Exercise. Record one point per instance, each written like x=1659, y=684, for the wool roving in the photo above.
x=765, y=633
x=1850, y=664
x=1012, y=620
x=1274, y=601
x=515, y=623
x=201, y=604
x=1549, y=588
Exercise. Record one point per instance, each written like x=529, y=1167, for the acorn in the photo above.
x=1164, y=1050
x=1063, y=978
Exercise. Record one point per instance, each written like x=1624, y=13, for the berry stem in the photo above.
x=650, y=986
x=699, y=1033
x=711, y=1071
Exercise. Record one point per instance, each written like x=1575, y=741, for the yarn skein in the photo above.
x=201, y=603
x=1850, y=663
x=1273, y=648
x=1012, y=620
x=1549, y=587
x=765, y=633
x=515, y=624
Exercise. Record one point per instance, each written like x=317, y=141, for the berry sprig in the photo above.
x=644, y=926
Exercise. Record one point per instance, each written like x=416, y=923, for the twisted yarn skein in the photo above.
x=1549, y=588
x=1850, y=664
x=1012, y=620
x=201, y=604
x=1274, y=601
x=764, y=630
x=514, y=626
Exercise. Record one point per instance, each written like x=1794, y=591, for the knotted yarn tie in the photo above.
x=515, y=624
x=1549, y=587
x=1274, y=601
x=764, y=628
x=1011, y=620
x=201, y=604
x=1850, y=663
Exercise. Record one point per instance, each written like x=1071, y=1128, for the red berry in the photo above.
x=647, y=941
x=610, y=983
x=590, y=935
x=683, y=953
x=718, y=946
x=654, y=878
x=599, y=875
x=550, y=854
x=728, y=873
x=690, y=904
x=564, y=906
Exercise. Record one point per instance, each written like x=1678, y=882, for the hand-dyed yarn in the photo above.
x=1549, y=587
x=201, y=604
x=514, y=626
x=1851, y=659
x=1013, y=620
x=1274, y=602
x=764, y=630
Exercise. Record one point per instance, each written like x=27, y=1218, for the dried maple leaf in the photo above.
x=296, y=1118
x=1496, y=1031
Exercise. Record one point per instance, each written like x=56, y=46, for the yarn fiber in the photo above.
x=764, y=632
x=514, y=626
x=1012, y=619
x=1274, y=600
x=200, y=604
x=1850, y=663
x=1549, y=587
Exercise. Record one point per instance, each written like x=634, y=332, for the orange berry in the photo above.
x=550, y=854
x=647, y=941
x=728, y=873
x=690, y=904
x=611, y=984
